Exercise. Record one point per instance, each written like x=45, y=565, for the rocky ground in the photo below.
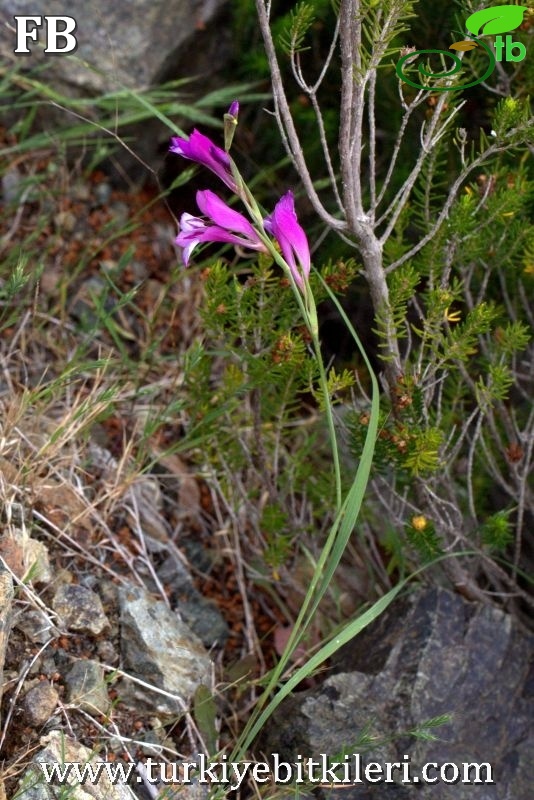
x=120, y=593
x=128, y=626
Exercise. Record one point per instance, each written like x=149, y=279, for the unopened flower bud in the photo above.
x=230, y=124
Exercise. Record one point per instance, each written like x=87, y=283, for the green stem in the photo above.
x=329, y=419
x=308, y=309
x=329, y=559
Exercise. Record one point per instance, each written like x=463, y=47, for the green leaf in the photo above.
x=423, y=455
x=331, y=554
x=336, y=384
x=498, y=19
x=302, y=18
x=422, y=731
x=497, y=532
x=205, y=712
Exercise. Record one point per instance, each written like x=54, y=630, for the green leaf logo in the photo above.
x=498, y=19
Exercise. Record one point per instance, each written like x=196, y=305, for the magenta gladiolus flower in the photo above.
x=284, y=226
x=201, y=149
x=230, y=226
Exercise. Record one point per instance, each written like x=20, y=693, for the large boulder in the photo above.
x=131, y=43
x=430, y=654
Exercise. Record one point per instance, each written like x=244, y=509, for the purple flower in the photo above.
x=230, y=226
x=202, y=150
x=284, y=226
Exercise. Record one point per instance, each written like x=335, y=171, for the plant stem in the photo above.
x=329, y=419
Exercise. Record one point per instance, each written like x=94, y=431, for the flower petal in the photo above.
x=216, y=209
x=191, y=229
x=201, y=149
x=195, y=231
x=233, y=111
x=189, y=223
x=284, y=226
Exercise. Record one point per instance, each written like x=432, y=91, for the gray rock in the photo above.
x=12, y=185
x=83, y=305
x=197, y=611
x=103, y=193
x=60, y=749
x=130, y=43
x=39, y=558
x=107, y=653
x=35, y=625
x=204, y=619
x=431, y=653
x=6, y=600
x=80, y=609
x=47, y=665
x=87, y=688
x=27, y=558
x=152, y=745
x=40, y=703
x=197, y=791
x=159, y=649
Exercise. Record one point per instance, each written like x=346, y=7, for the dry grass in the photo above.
x=88, y=409
x=100, y=465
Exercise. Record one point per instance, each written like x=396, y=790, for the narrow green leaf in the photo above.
x=205, y=713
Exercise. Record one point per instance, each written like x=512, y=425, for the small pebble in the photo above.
x=40, y=703
x=87, y=687
x=80, y=609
